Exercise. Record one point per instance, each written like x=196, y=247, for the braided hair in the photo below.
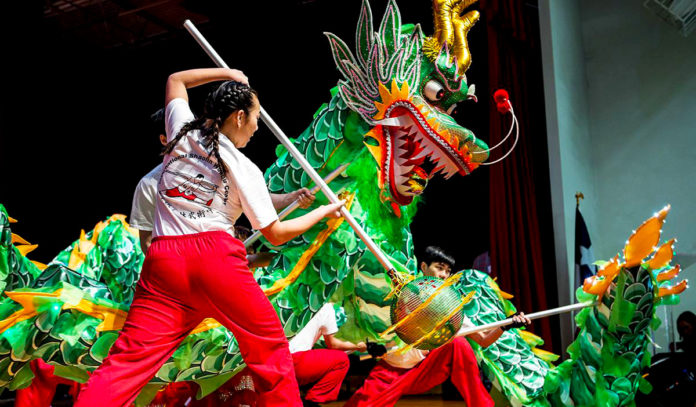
x=229, y=97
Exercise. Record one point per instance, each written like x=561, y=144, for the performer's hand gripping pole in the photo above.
x=532, y=316
x=301, y=160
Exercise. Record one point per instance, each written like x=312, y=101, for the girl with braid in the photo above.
x=195, y=268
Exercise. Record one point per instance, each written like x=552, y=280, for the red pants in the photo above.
x=43, y=387
x=386, y=384
x=325, y=368
x=184, y=280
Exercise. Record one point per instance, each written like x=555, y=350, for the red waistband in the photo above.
x=212, y=233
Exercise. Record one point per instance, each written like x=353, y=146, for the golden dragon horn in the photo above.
x=451, y=28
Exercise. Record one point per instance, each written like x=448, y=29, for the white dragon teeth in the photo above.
x=425, y=152
x=449, y=172
x=431, y=145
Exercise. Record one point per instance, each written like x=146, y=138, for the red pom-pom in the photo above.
x=500, y=96
x=503, y=107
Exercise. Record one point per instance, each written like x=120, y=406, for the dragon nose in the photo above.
x=479, y=150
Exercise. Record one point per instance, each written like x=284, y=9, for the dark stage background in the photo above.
x=79, y=89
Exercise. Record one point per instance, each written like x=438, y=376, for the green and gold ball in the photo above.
x=426, y=320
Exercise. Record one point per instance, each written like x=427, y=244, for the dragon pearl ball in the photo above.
x=426, y=320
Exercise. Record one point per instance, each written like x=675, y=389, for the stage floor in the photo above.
x=415, y=401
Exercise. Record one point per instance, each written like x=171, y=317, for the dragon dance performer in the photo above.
x=143, y=208
x=417, y=371
x=43, y=387
x=195, y=268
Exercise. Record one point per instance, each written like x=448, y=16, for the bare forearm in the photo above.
x=303, y=196
x=336, y=344
x=488, y=337
x=195, y=77
x=178, y=82
x=280, y=201
x=485, y=339
x=280, y=232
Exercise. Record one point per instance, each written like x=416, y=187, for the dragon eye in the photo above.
x=433, y=90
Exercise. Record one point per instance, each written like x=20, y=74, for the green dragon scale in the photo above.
x=388, y=119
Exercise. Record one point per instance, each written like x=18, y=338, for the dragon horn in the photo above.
x=452, y=28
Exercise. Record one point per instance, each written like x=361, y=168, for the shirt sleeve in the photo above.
x=143, y=208
x=176, y=115
x=466, y=323
x=254, y=197
x=329, y=319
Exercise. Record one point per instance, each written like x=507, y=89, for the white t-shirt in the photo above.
x=143, y=209
x=192, y=195
x=414, y=356
x=322, y=323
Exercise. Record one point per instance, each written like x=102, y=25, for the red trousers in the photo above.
x=43, y=387
x=324, y=368
x=184, y=280
x=386, y=384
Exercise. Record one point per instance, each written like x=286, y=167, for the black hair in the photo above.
x=157, y=122
x=229, y=97
x=688, y=317
x=435, y=254
x=242, y=232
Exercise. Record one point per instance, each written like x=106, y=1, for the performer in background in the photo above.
x=195, y=268
x=143, y=208
x=686, y=326
x=417, y=371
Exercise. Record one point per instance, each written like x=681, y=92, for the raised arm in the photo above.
x=178, y=82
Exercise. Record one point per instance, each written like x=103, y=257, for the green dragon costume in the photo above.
x=389, y=118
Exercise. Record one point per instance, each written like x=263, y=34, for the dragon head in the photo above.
x=405, y=86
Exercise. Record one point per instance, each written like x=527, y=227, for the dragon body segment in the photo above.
x=611, y=348
x=389, y=119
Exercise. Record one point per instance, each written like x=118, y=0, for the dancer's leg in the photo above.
x=235, y=299
x=456, y=360
x=157, y=322
x=326, y=368
x=380, y=382
x=42, y=389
